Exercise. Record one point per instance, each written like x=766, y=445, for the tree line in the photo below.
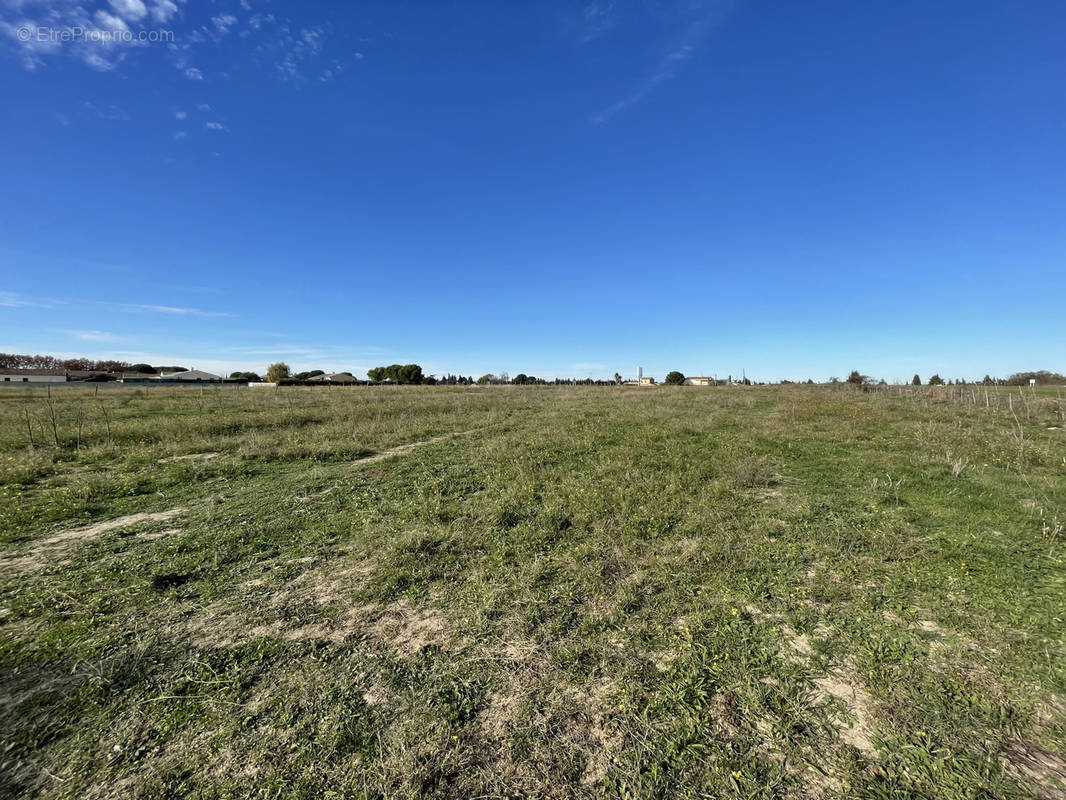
x=24, y=361
x=413, y=374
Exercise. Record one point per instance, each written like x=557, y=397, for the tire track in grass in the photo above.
x=57, y=547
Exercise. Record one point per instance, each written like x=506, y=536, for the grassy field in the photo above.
x=532, y=592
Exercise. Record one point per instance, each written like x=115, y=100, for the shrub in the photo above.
x=754, y=472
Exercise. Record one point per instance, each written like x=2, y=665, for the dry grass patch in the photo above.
x=1043, y=771
x=408, y=628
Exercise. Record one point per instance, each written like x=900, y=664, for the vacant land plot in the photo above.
x=542, y=592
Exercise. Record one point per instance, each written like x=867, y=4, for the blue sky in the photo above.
x=789, y=189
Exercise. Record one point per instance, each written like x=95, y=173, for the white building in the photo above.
x=195, y=375
x=699, y=380
x=33, y=376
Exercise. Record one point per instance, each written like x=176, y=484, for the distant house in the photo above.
x=699, y=380
x=191, y=375
x=644, y=380
x=33, y=376
x=336, y=377
x=54, y=375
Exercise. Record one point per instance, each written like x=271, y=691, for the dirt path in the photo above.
x=401, y=449
x=392, y=452
x=57, y=547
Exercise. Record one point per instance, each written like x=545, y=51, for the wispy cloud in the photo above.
x=140, y=308
x=12, y=300
x=669, y=64
x=92, y=336
x=130, y=9
x=216, y=126
x=597, y=18
x=193, y=74
x=223, y=23
x=110, y=113
x=163, y=10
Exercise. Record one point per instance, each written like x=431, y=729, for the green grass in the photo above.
x=724, y=592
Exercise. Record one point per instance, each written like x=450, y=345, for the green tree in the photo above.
x=487, y=378
x=936, y=380
x=856, y=378
x=1042, y=378
x=916, y=380
x=396, y=373
x=675, y=378
x=278, y=371
x=410, y=373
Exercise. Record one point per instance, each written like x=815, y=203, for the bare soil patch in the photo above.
x=401, y=449
x=859, y=704
x=189, y=457
x=57, y=547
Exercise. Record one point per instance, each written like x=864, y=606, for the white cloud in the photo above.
x=299, y=49
x=129, y=9
x=256, y=21
x=223, y=23
x=203, y=107
x=93, y=336
x=216, y=126
x=179, y=135
x=100, y=38
x=180, y=115
x=163, y=10
x=193, y=74
x=98, y=62
x=109, y=22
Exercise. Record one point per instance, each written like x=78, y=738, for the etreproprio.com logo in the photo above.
x=42, y=34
